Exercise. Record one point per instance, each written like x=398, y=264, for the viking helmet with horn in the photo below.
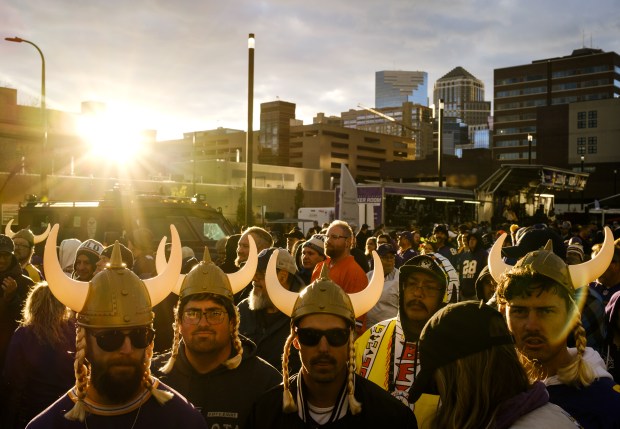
x=27, y=234
x=208, y=278
x=548, y=264
x=114, y=298
x=322, y=296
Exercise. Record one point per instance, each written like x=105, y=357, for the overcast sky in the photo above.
x=179, y=66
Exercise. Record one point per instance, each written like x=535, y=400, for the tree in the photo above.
x=299, y=198
x=241, y=209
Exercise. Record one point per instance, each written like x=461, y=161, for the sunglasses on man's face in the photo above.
x=113, y=339
x=311, y=337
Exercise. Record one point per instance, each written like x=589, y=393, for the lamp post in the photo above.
x=615, y=177
x=250, y=133
x=439, y=141
x=529, y=148
x=44, y=190
x=583, y=158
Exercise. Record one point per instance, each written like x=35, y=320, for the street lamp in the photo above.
x=439, y=141
x=44, y=190
x=583, y=158
x=250, y=134
x=529, y=148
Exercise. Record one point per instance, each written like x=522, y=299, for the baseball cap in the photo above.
x=295, y=233
x=454, y=332
x=285, y=260
x=425, y=264
x=6, y=244
x=533, y=238
x=317, y=243
x=407, y=234
x=385, y=249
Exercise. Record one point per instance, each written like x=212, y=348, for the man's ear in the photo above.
x=296, y=342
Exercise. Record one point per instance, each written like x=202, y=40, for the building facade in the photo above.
x=395, y=87
x=463, y=97
x=274, y=134
x=520, y=91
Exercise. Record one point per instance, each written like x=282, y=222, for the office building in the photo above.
x=521, y=91
x=395, y=87
x=463, y=97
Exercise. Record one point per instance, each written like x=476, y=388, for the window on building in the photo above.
x=592, y=144
x=581, y=145
x=581, y=119
x=592, y=119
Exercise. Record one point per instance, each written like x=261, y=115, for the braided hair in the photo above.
x=288, y=403
x=82, y=376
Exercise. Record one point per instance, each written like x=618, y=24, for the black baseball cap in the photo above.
x=454, y=332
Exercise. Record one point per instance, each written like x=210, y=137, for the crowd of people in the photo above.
x=432, y=326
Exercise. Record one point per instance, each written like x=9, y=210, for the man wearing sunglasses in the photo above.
x=114, y=345
x=210, y=363
x=326, y=391
x=388, y=351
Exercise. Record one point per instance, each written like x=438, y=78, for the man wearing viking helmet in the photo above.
x=210, y=363
x=326, y=390
x=25, y=241
x=114, y=345
x=538, y=298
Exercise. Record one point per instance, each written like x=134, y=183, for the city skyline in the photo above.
x=182, y=66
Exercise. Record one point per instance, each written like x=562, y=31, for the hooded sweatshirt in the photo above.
x=612, y=357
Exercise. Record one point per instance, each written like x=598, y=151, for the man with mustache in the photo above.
x=326, y=392
x=538, y=297
x=114, y=345
x=389, y=350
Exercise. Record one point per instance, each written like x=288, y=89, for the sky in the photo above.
x=181, y=66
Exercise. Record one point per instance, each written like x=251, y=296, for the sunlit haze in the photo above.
x=183, y=66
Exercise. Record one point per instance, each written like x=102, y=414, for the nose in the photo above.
x=532, y=322
x=323, y=344
x=126, y=347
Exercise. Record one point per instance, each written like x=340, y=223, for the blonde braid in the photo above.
x=161, y=396
x=578, y=373
x=288, y=403
x=174, y=352
x=82, y=373
x=235, y=361
x=354, y=404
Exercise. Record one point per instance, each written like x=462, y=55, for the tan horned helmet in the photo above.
x=35, y=238
x=116, y=297
x=206, y=277
x=548, y=264
x=322, y=296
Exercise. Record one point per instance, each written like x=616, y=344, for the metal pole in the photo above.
x=194, y=164
x=439, y=141
x=529, y=148
x=44, y=160
x=582, y=159
x=250, y=133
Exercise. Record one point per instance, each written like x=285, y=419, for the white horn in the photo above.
x=244, y=276
x=8, y=231
x=497, y=266
x=161, y=264
x=366, y=299
x=41, y=237
x=584, y=273
x=160, y=287
x=282, y=298
x=70, y=292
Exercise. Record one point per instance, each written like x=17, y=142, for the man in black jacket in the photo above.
x=14, y=287
x=326, y=392
x=210, y=363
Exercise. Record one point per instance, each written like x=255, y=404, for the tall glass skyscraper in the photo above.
x=395, y=87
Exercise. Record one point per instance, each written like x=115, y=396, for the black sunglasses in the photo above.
x=335, y=337
x=111, y=340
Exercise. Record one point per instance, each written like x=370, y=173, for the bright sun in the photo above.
x=112, y=134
